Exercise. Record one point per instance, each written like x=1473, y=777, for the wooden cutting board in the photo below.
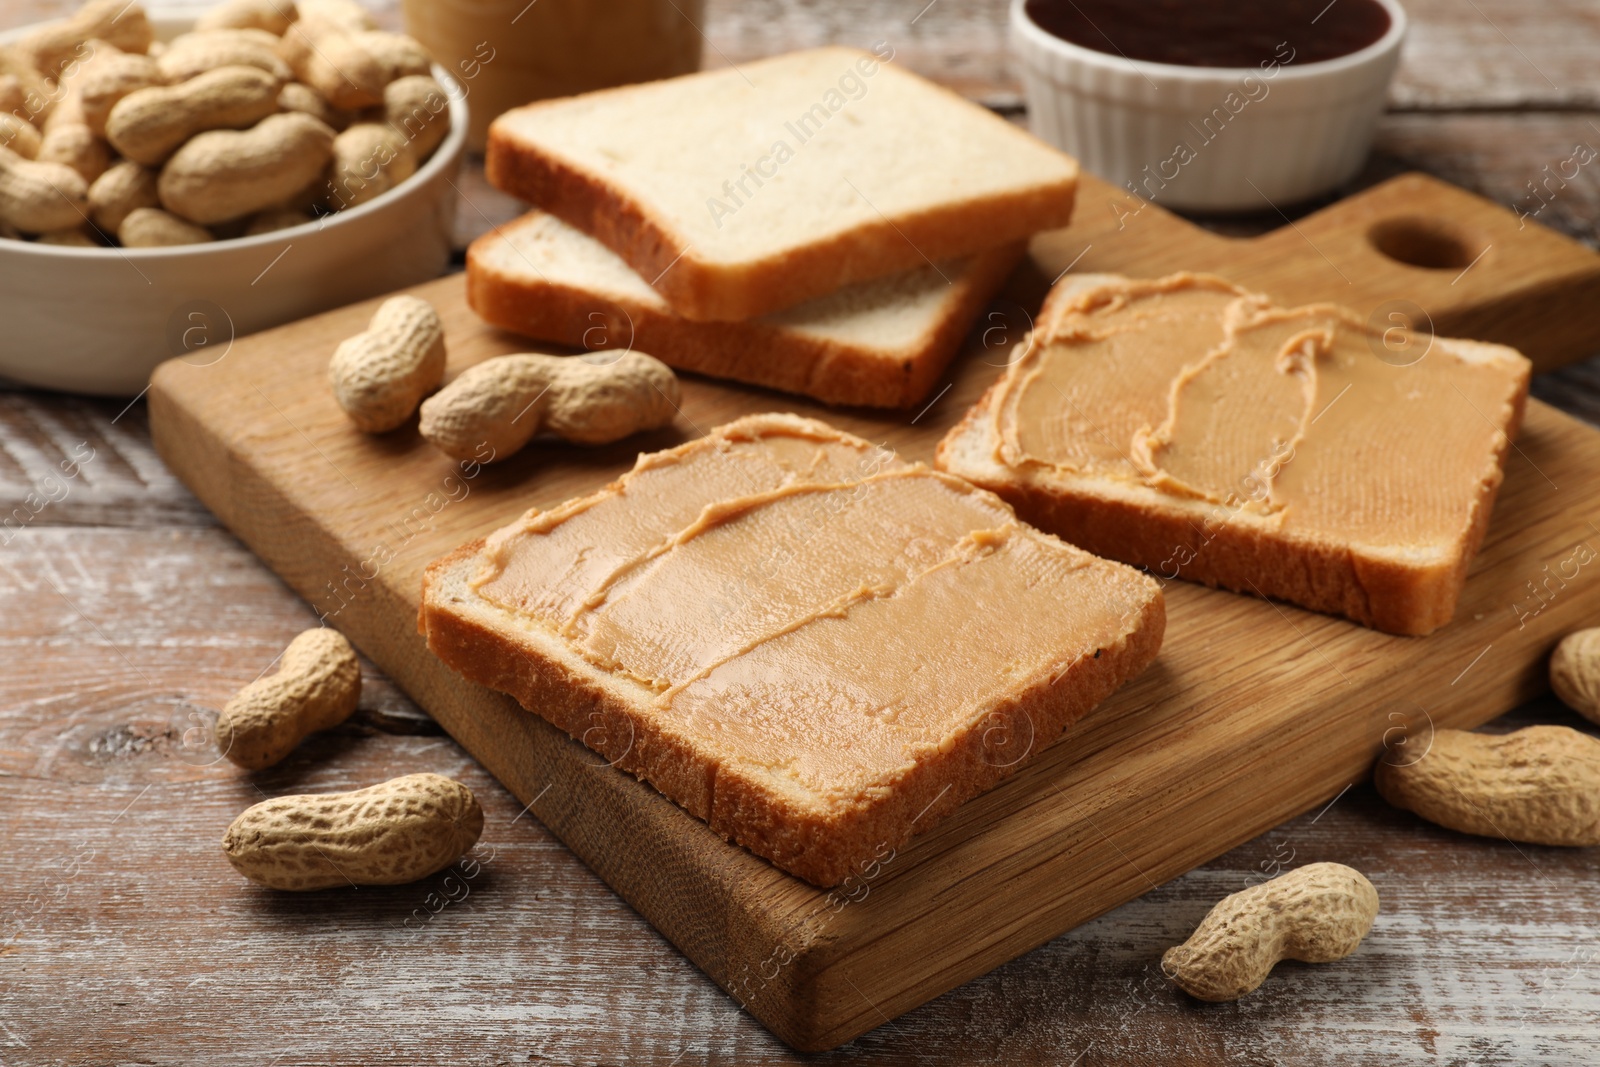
x=1253, y=713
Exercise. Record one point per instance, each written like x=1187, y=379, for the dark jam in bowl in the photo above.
x=1215, y=33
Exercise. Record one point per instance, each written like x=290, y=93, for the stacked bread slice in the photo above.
x=821, y=222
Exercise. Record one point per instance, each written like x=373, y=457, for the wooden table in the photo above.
x=125, y=937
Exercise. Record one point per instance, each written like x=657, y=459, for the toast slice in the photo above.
x=744, y=191
x=813, y=646
x=1191, y=428
x=881, y=343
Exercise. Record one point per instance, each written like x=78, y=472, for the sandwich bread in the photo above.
x=881, y=343
x=1191, y=428
x=739, y=192
x=817, y=648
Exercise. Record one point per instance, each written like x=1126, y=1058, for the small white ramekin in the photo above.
x=1203, y=138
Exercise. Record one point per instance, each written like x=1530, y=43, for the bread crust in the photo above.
x=756, y=352
x=823, y=848
x=704, y=290
x=824, y=843
x=1204, y=544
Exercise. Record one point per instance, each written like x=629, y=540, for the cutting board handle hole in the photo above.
x=1422, y=242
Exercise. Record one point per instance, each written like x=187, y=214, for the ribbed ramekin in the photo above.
x=1203, y=138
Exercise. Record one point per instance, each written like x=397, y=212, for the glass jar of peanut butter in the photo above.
x=510, y=52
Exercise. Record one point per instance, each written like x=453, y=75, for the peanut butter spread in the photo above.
x=807, y=603
x=1203, y=391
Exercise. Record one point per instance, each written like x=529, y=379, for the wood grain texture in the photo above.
x=1530, y=163
x=1499, y=54
x=78, y=460
x=1252, y=713
x=153, y=952
x=127, y=937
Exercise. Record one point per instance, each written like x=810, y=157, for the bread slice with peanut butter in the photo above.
x=812, y=645
x=1192, y=428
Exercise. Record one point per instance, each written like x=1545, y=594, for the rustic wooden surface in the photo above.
x=1088, y=824
x=123, y=600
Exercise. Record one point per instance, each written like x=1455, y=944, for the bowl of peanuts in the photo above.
x=171, y=180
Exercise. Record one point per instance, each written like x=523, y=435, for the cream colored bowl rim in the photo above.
x=174, y=21
x=1042, y=38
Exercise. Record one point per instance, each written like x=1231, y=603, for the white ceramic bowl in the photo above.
x=98, y=320
x=1174, y=135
